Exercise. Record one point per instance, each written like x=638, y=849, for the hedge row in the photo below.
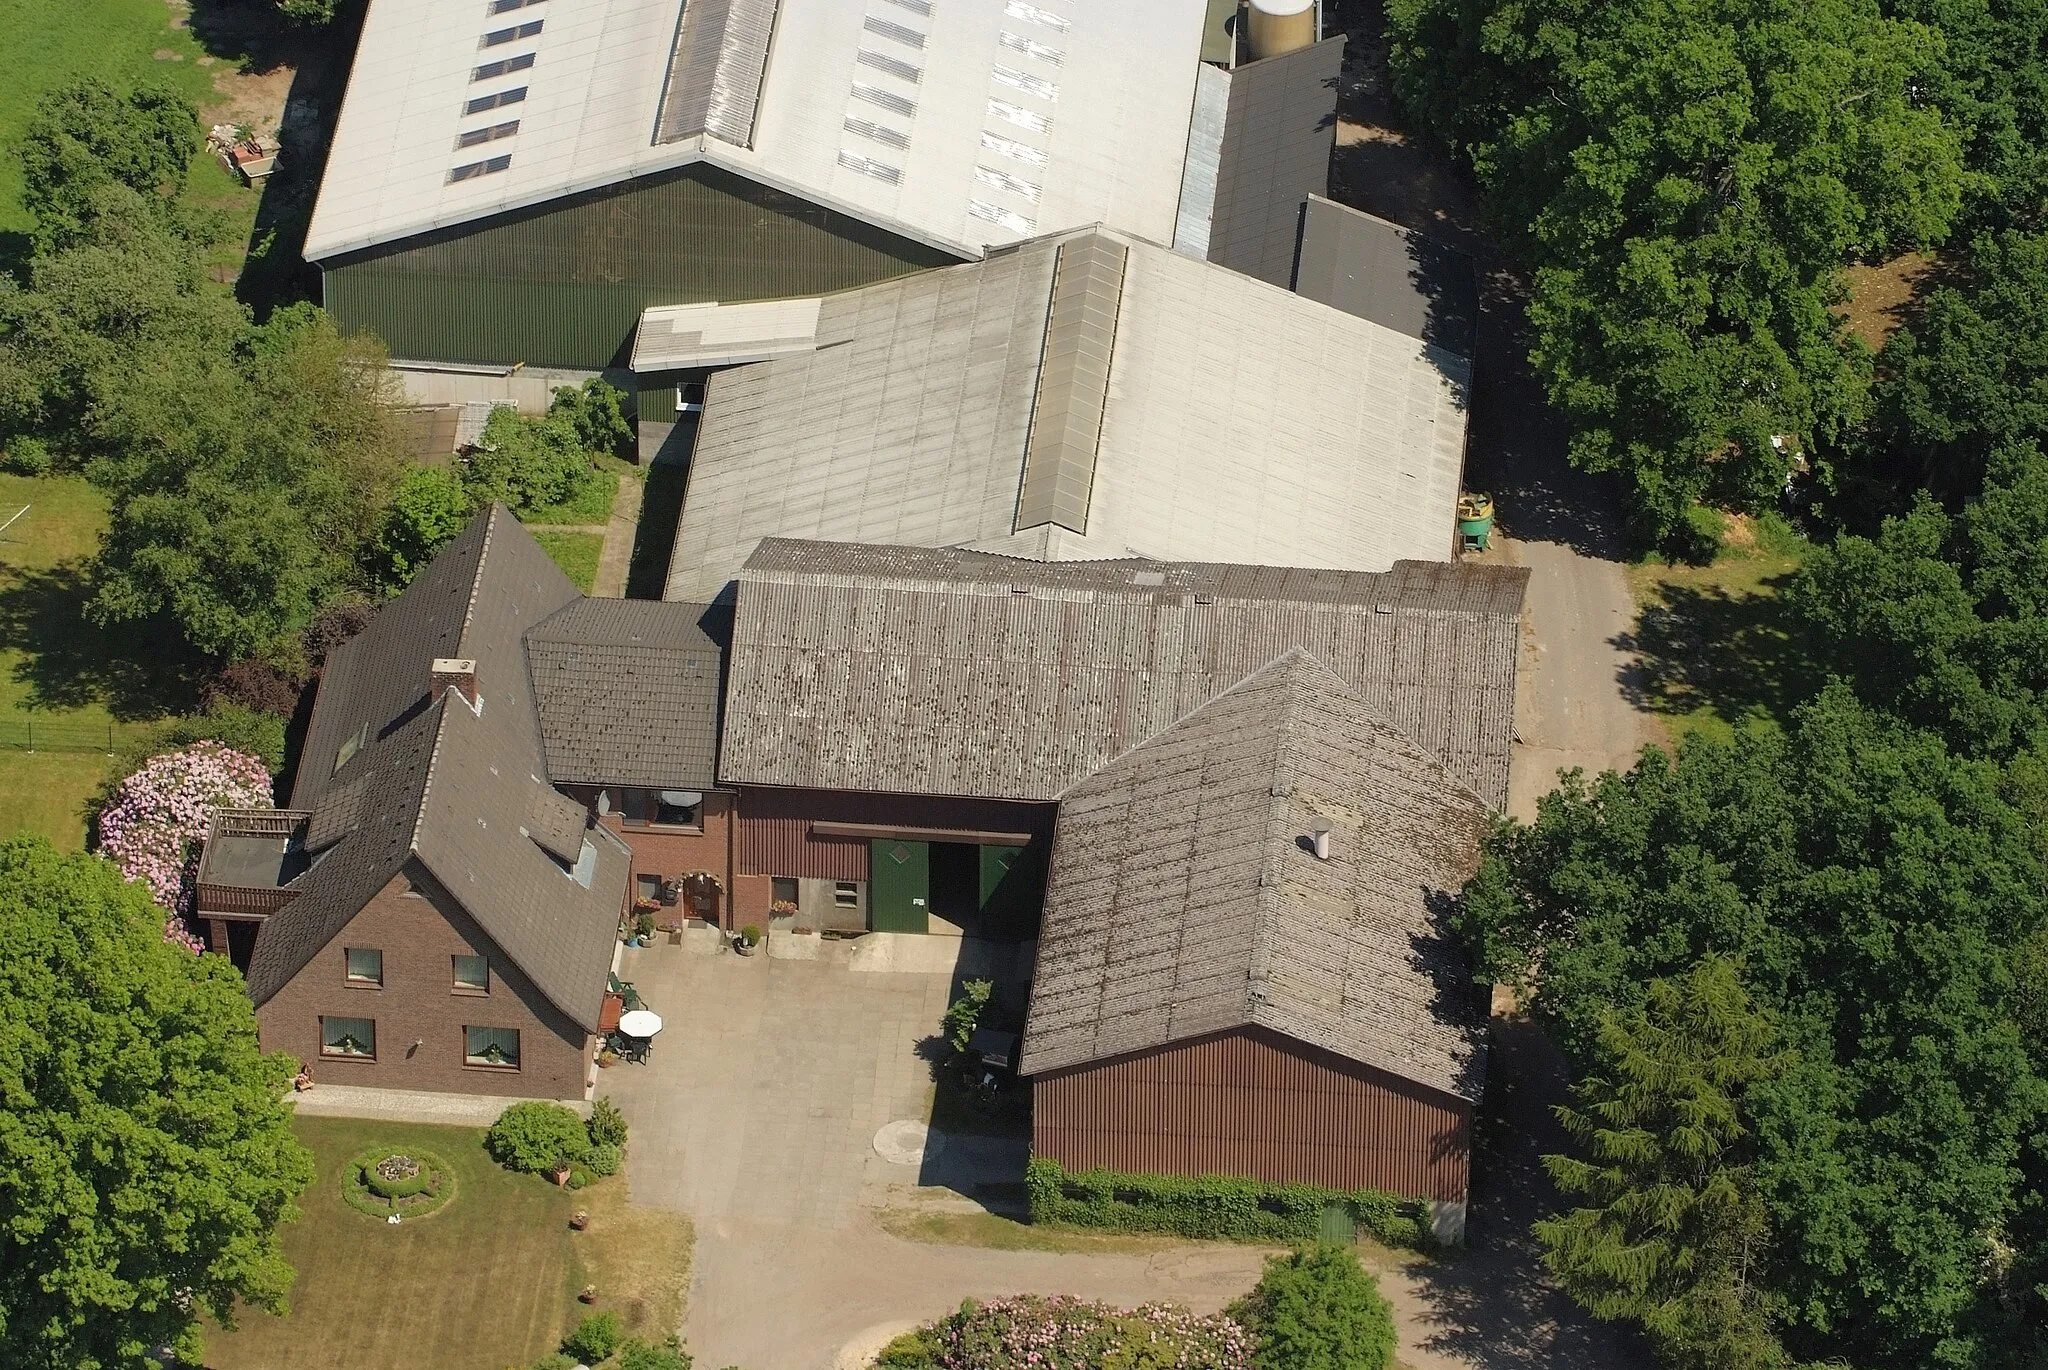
x=1213, y=1207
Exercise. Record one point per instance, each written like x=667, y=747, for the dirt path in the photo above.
x=617, y=557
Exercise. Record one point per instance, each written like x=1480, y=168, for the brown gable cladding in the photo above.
x=941, y=671
x=391, y=773
x=1186, y=897
x=628, y=692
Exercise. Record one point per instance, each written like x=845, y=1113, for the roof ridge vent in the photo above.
x=1073, y=383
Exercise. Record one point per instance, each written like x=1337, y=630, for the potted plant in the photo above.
x=747, y=939
x=643, y=925
x=607, y=1058
x=580, y=1219
x=560, y=1173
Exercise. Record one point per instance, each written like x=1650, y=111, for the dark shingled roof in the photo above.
x=1185, y=896
x=947, y=672
x=456, y=788
x=628, y=691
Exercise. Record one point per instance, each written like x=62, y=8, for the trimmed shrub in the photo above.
x=1212, y=1207
x=602, y=1160
x=1317, y=1310
x=536, y=1136
x=596, y=1337
x=916, y=1350
x=607, y=1125
x=400, y=1187
x=668, y=1354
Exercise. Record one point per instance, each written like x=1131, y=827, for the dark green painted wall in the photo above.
x=564, y=283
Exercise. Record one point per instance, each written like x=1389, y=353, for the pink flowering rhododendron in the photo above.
x=158, y=817
x=1065, y=1333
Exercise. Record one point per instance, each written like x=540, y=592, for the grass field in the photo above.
x=75, y=685
x=1719, y=647
x=47, y=43
x=488, y=1281
x=575, y=553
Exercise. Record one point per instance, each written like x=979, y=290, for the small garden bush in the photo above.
x=1030, y=1332
x=1317, y=1309
x=26, y=456
x=156, y=818
x=601, y=1160
x=963, y=1015
x=1212, y=1207
x=536, y=1136
x=409, y=1182
x=607, y=1125
x=668, y=1354
x=596, y=1337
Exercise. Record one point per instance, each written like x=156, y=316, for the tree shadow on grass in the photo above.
x=136, y=671
x=1746, y=656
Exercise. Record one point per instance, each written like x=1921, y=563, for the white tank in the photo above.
x=1278, y=26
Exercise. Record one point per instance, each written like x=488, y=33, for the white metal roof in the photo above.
x=968, y=122
x=681, y=336
x=1239, y=423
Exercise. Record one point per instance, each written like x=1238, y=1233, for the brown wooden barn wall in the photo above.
x=1256, y=1104
x=776, y=837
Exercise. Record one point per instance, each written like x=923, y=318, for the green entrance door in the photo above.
x=899, y=886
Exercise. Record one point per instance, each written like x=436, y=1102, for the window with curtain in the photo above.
x=489, y=1046
x=349, y=1037
x=473, y=974
x=365, y=966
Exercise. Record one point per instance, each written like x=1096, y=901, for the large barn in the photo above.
x=513, y=182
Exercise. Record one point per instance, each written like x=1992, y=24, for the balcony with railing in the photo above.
x=250, y=860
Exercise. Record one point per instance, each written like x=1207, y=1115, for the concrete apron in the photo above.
x=911, y=953
x=410, y=1105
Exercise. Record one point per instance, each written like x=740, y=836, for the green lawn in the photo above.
x=76, y=686
x=46, y=42
x=575, y=553
x=1720, y=649
x=486, y=1282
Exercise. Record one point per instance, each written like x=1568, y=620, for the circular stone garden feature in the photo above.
x=410, y=1183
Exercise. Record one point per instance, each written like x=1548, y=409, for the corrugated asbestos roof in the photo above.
x=1185, y=897
x=1241, y=423
x=457, y=789
x=684, y=336
x=628, y=691
x=954, y=124
x=948, y=672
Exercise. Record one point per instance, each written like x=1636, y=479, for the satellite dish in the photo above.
x=604, y=802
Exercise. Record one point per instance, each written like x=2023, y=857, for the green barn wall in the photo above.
x=563, y=284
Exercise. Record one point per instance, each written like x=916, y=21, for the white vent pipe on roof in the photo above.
x=1322, y=841
x=1275, y=27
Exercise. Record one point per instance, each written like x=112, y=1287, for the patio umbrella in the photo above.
x=640, y=1023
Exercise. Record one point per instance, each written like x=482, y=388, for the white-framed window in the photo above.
x=496, y=1048
x=348, y=1037
x=363, y=966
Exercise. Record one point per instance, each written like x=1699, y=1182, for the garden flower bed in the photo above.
x=411, y=1183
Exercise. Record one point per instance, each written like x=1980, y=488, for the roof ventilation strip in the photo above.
x=715, y=71
x=1073, y=384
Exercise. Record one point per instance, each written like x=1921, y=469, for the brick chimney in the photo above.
x=457, y=673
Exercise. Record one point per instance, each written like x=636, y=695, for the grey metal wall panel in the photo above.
x=1205, y=154
x=1278, y=132
x=564, y=284
x=1254, y=1104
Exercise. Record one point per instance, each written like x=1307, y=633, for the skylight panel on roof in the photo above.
x=1010, y=147
x=922, y=7
x=1031, y=47
x=507, y=6
x=495, y=100
x=488, y=135
x=1031, y=14
x=471, y=170
x=902, y=70
x=500, y=36
x=887, y=99
x=1029, y=84
x=502, y=67
x=882, y=28
x=867, y=166
x=1002, y=180
x=996, y=214
x=880, y=133
x=1018, y=115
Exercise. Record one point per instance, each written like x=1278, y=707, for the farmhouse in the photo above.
x=513, y=182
